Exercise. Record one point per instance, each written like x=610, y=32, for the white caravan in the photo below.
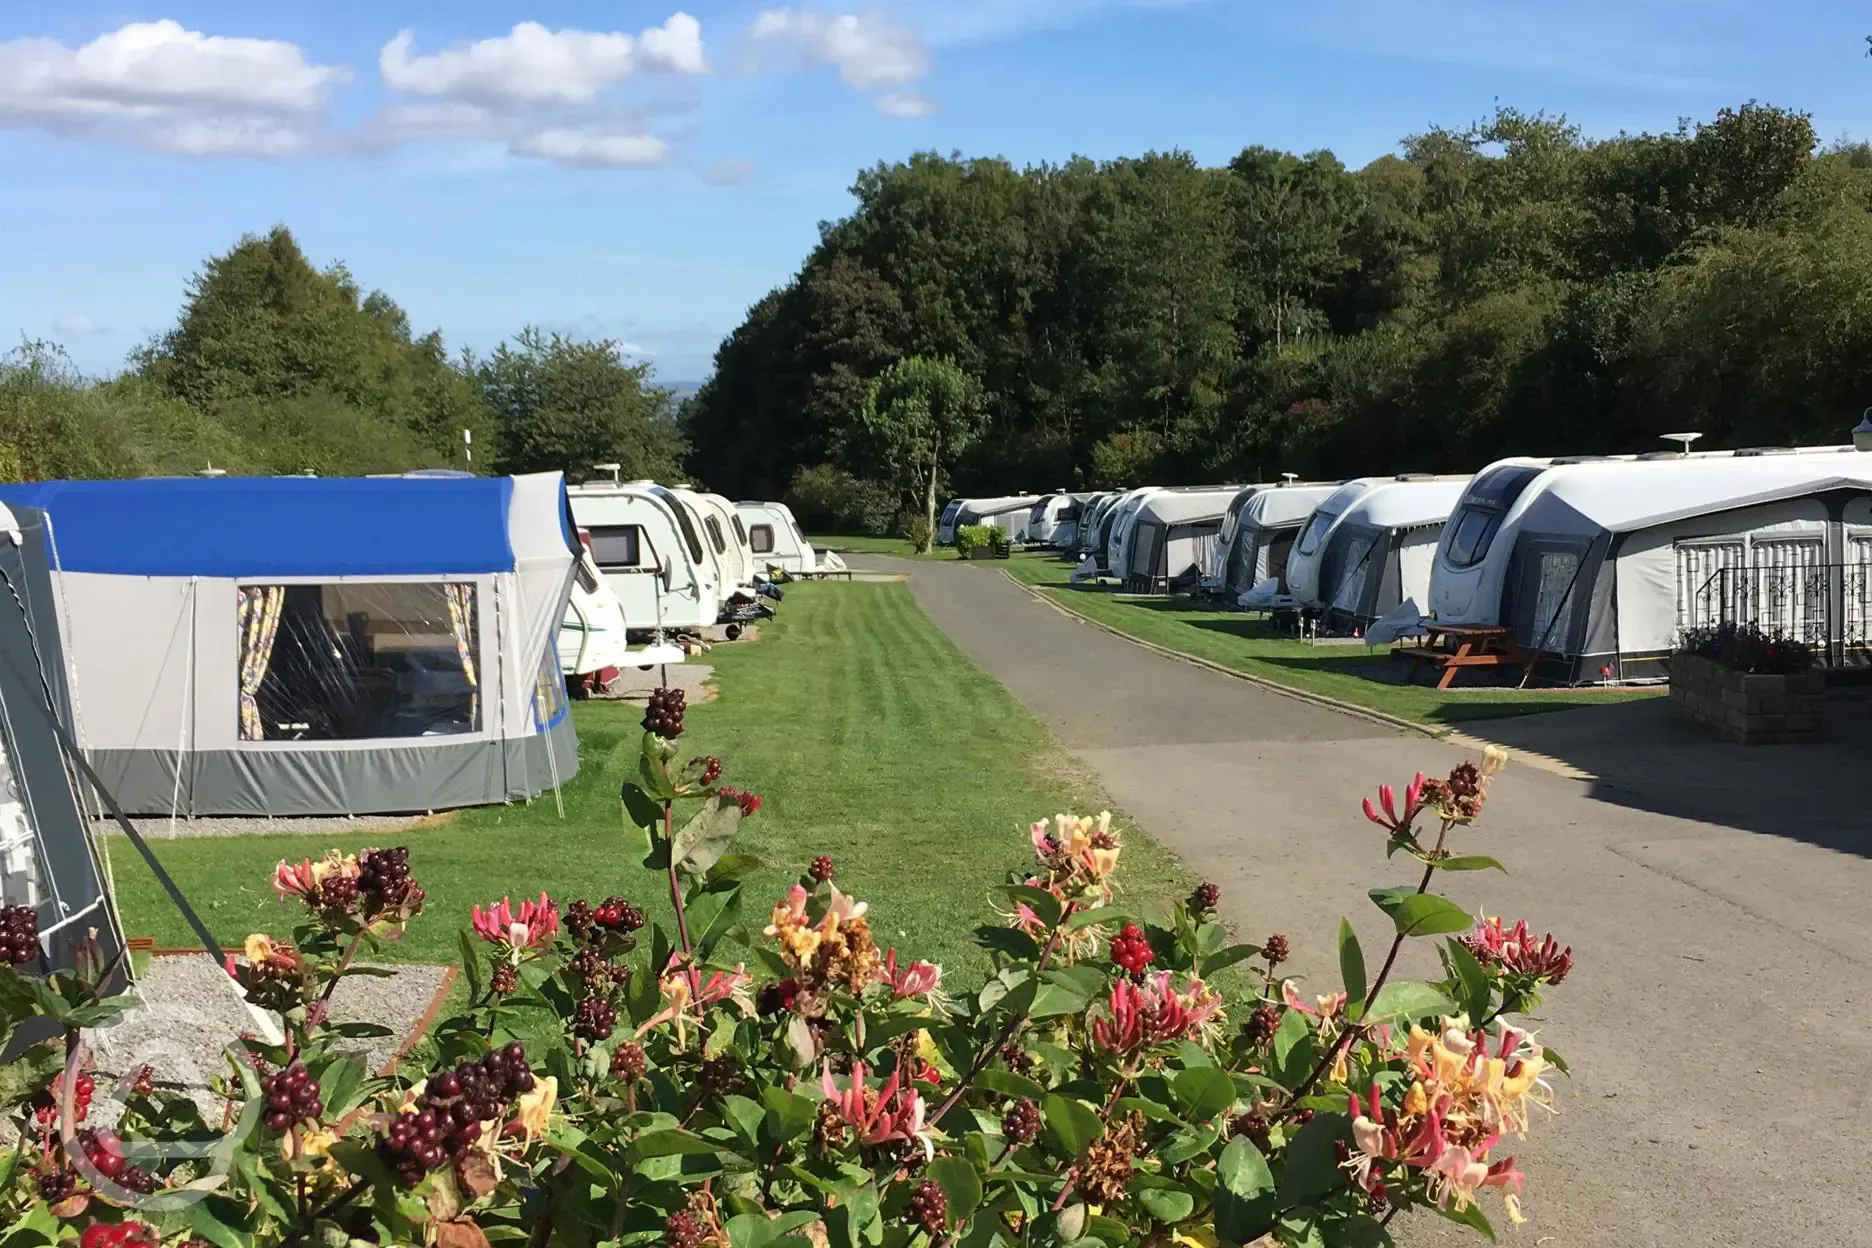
x=775, y=537
x=724, y=539
x=1376, y=559
x=649, y=547
x=946, y=523
x=1054, y=520
x=1600, y=565
x=1257, y=536
x=1090, y=539
x=1008, y=513
x=1118, y=529
x=1173, y=540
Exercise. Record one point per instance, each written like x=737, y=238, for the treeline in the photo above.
x=274, y=366
x=1511, y=288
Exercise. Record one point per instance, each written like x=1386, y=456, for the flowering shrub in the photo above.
x=1747, y=648
x=733, y=1080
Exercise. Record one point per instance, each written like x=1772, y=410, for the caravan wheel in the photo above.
x=734, y=632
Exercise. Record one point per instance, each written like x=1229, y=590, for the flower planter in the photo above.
x=1745, y=708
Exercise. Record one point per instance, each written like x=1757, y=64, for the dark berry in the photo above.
x=822, y=868
x=683, y=1229
x=505, y=978
x=780, y=994
x=718, y=1074
x=19, y=935
x=711, y=770
x=1275, y=951
x=664, y=714
x=628, y=1063
x=578, y=918
x=1021, y=1123
x=55, y=1185
x=928, y=1209
x=1262, y=1024
x=1205, y=898
x=593, y=1018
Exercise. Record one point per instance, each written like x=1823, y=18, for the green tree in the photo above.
x=566, y=405
x=920, y=411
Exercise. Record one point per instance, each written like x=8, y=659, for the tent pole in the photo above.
x=187, y=717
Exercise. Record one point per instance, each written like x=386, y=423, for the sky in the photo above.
x=643, y=172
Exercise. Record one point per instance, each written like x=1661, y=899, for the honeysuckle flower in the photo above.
x=1142, y=1014
x=532, y=928
x=836, y=948
x=892, y=1113
x=1326, y=1007
x=1080, y=852
x=919, y=979
x=1517, y=950
x=1392, y=820
x=533, y=1111
x=260, y=947
x=305, y=880
x=677, y=994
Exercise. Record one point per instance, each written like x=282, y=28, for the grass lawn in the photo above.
x=1248, y=645
x=872, y=544
x=871, y=737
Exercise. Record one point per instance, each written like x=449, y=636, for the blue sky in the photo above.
x=645, y=171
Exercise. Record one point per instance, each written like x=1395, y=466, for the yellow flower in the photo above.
x=315, y=1144
x=259, y=947
x=535, y=1108
x=1494, y=758
x=1512, y=1204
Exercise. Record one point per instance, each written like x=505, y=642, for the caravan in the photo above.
x=1600, y=565
x=1367, y=547
x=777, y=541
x=1054, y=520
x=1173, y=541
x=1008, y=513
x=645, y=541
x=1113, y=552
x=314, y=646
x=1257, y=537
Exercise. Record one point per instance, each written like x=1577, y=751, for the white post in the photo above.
x=468, y=447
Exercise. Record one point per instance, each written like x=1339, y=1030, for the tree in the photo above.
x=919, y=411
x=566, y=405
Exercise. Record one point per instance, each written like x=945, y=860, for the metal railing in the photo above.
x=1825, y=606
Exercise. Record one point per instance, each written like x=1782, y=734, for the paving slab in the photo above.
x=1716, y=1015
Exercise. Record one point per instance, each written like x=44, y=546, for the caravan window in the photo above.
x=682, y=522
x=760, y=537
x=715, y=534
x=739, y=532
x=1473, y=528
x=616, y=545
x=358, y=660
x=1316, y=529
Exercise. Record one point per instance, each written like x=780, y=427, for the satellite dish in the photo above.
x=1682, y=439
x=1288, y=478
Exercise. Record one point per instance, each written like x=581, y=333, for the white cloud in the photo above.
x=75, y=326
x=156, y=84
x=904, y=104
x=593, y=149
x=534, y=65
x=872, y=53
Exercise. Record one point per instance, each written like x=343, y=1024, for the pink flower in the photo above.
x=1391, y=820
x=532, y=928
x=749, y=802
x=894, y=1113
x=919, y=979
x=294, y=879
x=722, y=984
x=1518, y=951
x=1328, y=1006
x=1141, y=1015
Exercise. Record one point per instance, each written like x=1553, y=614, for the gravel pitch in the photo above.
x=188, y=1014
x=161, y=828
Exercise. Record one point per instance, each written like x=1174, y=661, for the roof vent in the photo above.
x=1749, y=452
x=1862, y=432
x=610, y=470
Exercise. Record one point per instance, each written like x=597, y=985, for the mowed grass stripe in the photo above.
x=871, y=736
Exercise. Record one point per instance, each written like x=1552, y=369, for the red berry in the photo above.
x=1131, y=950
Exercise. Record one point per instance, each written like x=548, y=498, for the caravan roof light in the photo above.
x=1682, y=439
x=1862, y=432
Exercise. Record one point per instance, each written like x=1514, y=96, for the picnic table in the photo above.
x=1453, y=647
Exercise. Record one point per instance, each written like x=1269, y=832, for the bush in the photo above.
x=829, y=499
x=1746, y=648
x=611, y=1081
x=972, y=537
x=917, y=529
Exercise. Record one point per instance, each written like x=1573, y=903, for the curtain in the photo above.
x=461, y=601
x=259, y=624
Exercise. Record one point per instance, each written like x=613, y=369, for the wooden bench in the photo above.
x=1453, y=647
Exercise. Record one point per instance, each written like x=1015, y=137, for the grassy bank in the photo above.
x=872, y=544
x=1248, y=645
x=871, y=737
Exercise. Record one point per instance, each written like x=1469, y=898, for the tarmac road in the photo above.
x=1716, y=1019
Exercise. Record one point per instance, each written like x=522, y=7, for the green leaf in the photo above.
x=1421, y=914
x=1016, y=944
x=789, y=1115
x=341, y=1085
x=959, y=1183
x=671, y=1142
x=207, y=1226
x=1244, y=1196
x=1096, y=915
x=1294, y=1028
x=1312, y=1169
x=1189, y=1145
x=732, y=869
x=852, y=1217
x=1167, y=1205
x=1554, y=1059
x=1044, y=904
x=1072, y=1124
x=706, y=837
x=1409, y=1000
x=745, y=1116
x=711, y=923
x=1361, y=1231
x=1477, y=988
x=653, y=771
x=1351, y=962
x=1472, y=1217
x=1203, y=1091
x=1470, y=862
x=1209, y=939
x=1007, y=1083
x=361, y=1031
x=471, y=964
x=752, y=1230
x=1065, y=992
x=1213, y=962
x=644, y=811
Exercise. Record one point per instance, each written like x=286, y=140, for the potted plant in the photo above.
x=1752, y=686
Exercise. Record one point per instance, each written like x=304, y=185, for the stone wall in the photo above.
x=1750, y=709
